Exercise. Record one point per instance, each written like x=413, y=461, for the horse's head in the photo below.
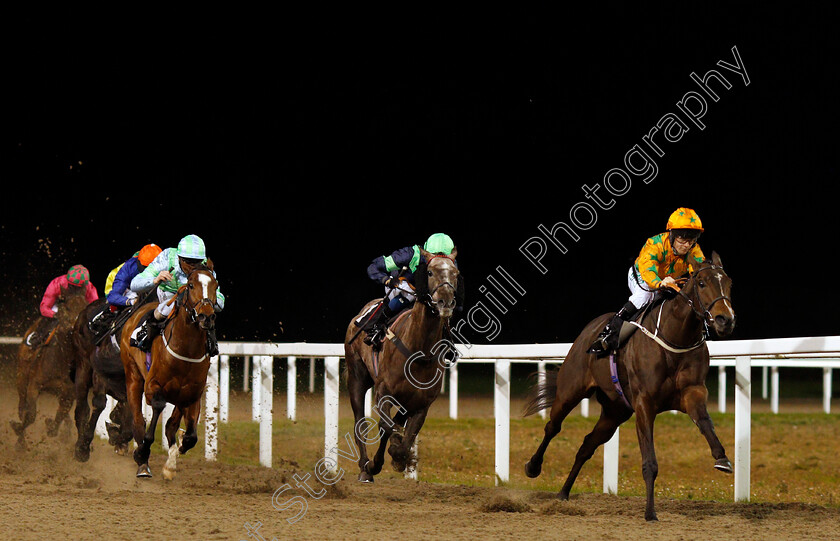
x=709, y=291
x=71, y=301
x=200, y=296
x=440, y=282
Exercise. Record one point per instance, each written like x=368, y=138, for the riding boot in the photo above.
x=212, y=344
x=608, y=339
x=377, y=325
x=42, y=332
x=101, y=322
x=149, y=329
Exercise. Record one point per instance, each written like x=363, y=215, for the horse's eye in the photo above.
x=701, y=283
x=429, y=273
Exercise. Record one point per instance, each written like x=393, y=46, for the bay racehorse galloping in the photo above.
x=406, y=373
x=175, y=371
x=662, y=368
x=98, y=368
x=49, y=366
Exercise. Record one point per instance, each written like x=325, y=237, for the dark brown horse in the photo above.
x=407, y=372
x=178, y=370
x=49, y=366
x=653, y=376
x=99, y=369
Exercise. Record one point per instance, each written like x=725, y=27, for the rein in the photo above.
x=706, y=315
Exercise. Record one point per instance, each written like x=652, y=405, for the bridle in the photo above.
x=192, y=311
x=426, y=298
x=182, y=299
x=703, y=314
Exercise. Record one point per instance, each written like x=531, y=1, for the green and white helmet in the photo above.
x=439, y=243
x=192, y=247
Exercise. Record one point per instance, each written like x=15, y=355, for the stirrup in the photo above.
x=376, y=336
x=602, y=345
x=144, y=336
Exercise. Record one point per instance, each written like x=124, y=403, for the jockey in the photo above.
x=662, y=258
x=396, y=273
x=76, y=276
x=118, y=289
x=169, y=271
x=119, y=294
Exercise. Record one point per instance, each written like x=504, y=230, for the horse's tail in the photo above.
x=541, y=393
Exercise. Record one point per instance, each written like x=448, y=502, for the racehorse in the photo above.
x=406, y=373
x=98, y=368
x=48, y=367
x=662, y=368
x=174, y=371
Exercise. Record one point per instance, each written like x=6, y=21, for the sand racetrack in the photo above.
x=45, y=494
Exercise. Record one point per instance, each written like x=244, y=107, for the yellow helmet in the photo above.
x=684, y=218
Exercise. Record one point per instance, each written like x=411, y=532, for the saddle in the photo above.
x=627, y=330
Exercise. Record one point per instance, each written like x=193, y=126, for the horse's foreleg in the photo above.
x=357, y=387
x=27, y=408
x=693, y=403
x=134, y=393
x=171, y=430
x=62, y=413
x=190, y=421
x=611, y=417
x=123, y=416
x=401, y=452
x=141, y=454
x=82, y=412
x=386, y=429
x=645, y=415
x=87, y=428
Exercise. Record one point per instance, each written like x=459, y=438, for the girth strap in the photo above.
x=616, y=382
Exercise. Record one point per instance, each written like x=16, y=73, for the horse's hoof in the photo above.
x=143, y=471
x=81, y=454
x=563, y=495
x=651, y=517
x=723, y=465
x=532, y=471
x=17, y=426
x=365, y=477
x=169, y=474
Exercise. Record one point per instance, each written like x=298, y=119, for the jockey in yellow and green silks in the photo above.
x=662, y=259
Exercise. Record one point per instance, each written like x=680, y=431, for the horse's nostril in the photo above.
x=720, y=320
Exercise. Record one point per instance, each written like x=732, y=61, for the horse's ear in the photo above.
x=716, y=260
x=426, y=255
x=421, y=280
x=209, y=263
x=454, y=253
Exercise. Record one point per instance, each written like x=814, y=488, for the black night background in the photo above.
x=301, y=148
